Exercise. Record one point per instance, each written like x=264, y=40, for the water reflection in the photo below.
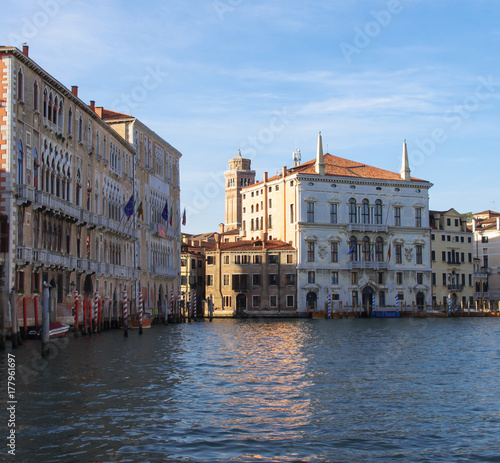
x=243, y=391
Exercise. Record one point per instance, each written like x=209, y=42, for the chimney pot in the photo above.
x=221, y=228
x=26, y=49
x=92, y=105
x=74, y=90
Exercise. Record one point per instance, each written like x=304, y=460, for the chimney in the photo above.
x=265, y=176
x=217, y=240
x=26, y=50
x=92, y=105
x=99, y=111
x=74, y=90
x=221, y=228
x=283, y=172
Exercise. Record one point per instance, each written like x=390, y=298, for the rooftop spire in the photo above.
x=319, y=166
x=405, y=166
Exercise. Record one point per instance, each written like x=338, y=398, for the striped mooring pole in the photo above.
x=125, y=313
x=373, y=303
x=96, y=310
x=195, y=306
x=329, y=305
x=140, y=310
x=76, y=312
x=172, y=305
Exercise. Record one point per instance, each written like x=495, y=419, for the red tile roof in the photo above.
x=341, y=167
x=248, y=245
x=107, y=114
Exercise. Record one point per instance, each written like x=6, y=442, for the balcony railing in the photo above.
x=455, y=287
x=368, y=265
x=23, y=254
x=25, y=195
x=367, y=227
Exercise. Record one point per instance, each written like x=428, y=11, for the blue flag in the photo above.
x=352, y=250
x=129, y=207
x=164, y=214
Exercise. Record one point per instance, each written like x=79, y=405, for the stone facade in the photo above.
x=452, y=260
x=247, y=278
x=66, y=178
x=361, y=233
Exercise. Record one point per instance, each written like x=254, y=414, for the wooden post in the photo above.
x=84, y=310
x=99, y=302
x=35, y=308
x=91, y=315
x=3, y=317
x=76, y=314
x=25, y=319
x=340, y=309
x=13, y=316
x=45, y=320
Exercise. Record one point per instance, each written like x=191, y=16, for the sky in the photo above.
x=211, y=77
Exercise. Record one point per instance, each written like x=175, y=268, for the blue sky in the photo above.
x=214, y=76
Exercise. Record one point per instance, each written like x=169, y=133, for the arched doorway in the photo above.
x=420, y=300
x=311, y=299
x=454, y=301
x=241, y=304
x=87, y=286
x=367, y=295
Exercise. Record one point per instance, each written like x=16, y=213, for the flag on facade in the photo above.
x=129, y=207
x=171, y=214
x=164, y=213
x=351, y=250
x=184, y=217
x=140, y=211
x=389, y=253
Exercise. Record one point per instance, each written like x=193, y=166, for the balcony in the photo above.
x=23, y=255
x=455, y=287
x=368, y=265
x=25, y=195
x=44, y=200
x=367, y=227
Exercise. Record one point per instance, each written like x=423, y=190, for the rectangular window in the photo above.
x=420, y=278
x=443, y=256
x=419, y=253
x=290, y=300
x=256, y=279
x=334, y=251
x=443, y=238
x=333, y=213
x=270, y=221
x=273, y=259
x=470, y=257
x=335, y=278
x=463, y=279
x=273, y=279
x=433, y=256
x=397, y=216
x=270, y=203
x=470, y=279
x=355, y=298
x=292, y=214
x=226, y=301
x=257, y=259
x=210, y=280
x=310, y=212
x=273, y=302
x=381, y=298
x=484, y=239
x=225, y=279
x=210, y=260
x=240, y=282
x=354, y=278
x=434, y=279
x=399, y=278
x=310, y=251
x=418, y=217
x=380, y=278
x=399, y=253
x=226, y=260
x=256, y=301
x=311, y=276
x=433, y=237
x=462, y=257
x=444, y=279
x=289, y=258
x=290, y=278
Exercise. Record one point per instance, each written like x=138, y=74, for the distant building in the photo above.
x=451, y=260
x=252, y=278
x=361, y=233
x=486, y=228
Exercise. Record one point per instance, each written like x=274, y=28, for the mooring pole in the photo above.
x=76, y=313
x=13, y=316
x=45, y=319
x=3, y=317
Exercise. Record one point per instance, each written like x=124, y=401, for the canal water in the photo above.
x=380, y=390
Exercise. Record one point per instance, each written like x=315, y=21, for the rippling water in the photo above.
x=378, y=390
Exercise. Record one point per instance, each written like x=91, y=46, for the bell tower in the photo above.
x=238, y=176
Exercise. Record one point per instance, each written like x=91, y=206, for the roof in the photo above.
x=248, y=245
x=340, y=167
x=109, y=115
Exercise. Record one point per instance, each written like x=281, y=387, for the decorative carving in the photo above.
x=322, y=251
x=409, y=254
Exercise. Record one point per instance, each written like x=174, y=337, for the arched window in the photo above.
x=45, y=103
x=20, y=85
x=353, y=249
x=379, y=249
x=20, y=158
x=36, y=96
x=70, y=121
x=378, y=212
x=80, y=129
x=366, y=249
x=365, y=211
x=54, y=110
x=352, y=210
x=49, y=112
x=60, y=115
x=78, y=188
x=36, y=165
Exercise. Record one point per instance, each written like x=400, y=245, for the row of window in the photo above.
x=450, y=238
x=239, y=282
x=452, y=257
x=257, y=301
x=249, y=259
x=334, y=278
x=453, y=280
